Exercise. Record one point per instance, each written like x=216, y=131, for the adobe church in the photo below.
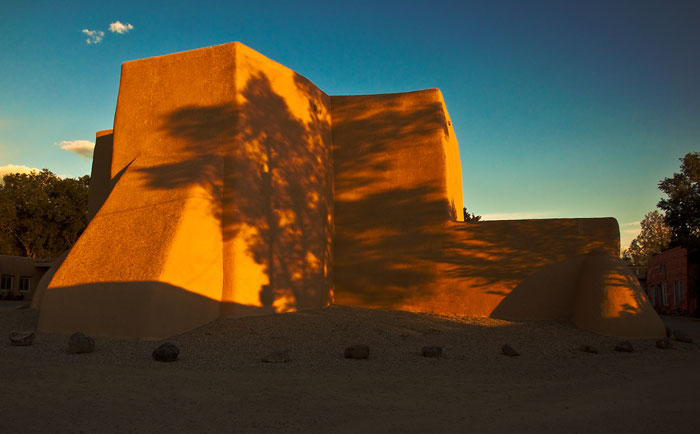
x=231, y=186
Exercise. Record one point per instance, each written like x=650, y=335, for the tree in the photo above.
x=682, y=207
x=469, y=217
x=653, y=239
x=41, y=215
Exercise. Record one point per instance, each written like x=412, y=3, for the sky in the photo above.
x=561, y=108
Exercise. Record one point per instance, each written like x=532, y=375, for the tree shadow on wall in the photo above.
x=518, y=247
x=639, y=302
x=396, y=238
x=390, y=202
x=269, y=175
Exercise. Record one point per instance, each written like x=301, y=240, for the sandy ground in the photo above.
x=220, y=385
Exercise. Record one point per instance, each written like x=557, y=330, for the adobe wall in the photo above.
x=400, y=244
x=395, y=189
x=396, y=158
x=610, y=301
x=43, y=284
x=100, y=178
x=228, y=174
x=278, y=194
x=517, y=269
x=206, y=200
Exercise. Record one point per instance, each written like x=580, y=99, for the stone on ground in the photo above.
x=78, y=343
x=277, y=357
x=681, y=336
x=509, y=351
x=589, y=349
x=358, y=351
x=22, y=339
x=431, y=351
x=625, y=347
x=167, y=352
x=664, y=343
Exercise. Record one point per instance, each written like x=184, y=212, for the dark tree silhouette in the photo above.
x=682, y=207
x=653, y=239
x=41, y=215
x=469, y=217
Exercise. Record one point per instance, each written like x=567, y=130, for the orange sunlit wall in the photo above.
x=400, y=243
x=220, y=202
x=233, y=186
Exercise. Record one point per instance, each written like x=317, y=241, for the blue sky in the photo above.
x=561, y=108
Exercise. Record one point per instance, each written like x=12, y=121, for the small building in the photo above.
x=672, y=280
x=20, y=276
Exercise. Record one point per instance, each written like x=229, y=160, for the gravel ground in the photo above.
x=220, y=384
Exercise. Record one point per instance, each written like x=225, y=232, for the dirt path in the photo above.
x=220, y=385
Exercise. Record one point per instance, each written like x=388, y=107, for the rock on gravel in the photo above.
x=277, y=357
x=431, y=351
x=509, y=351
x=625, y=347
x=682, y=337
x=664, y=343
x=167, y=352
x=22, y=339
x=358, y=351
x=78, y=343
x=589, y=349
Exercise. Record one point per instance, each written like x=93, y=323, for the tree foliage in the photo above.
x=653, y=239
x=682, y=207
x=41, y=215
x=469, y=217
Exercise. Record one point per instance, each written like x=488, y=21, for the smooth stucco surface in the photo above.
x=100, y=179
x=237, y=187
x=220, y=203
x=400, y=244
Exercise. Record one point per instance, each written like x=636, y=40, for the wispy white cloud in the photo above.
x=524, y=215
x=119, y=27
x=84, y=148
x=631, y=228
x=94, y=36
x=628, y=232
x=15, y=168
